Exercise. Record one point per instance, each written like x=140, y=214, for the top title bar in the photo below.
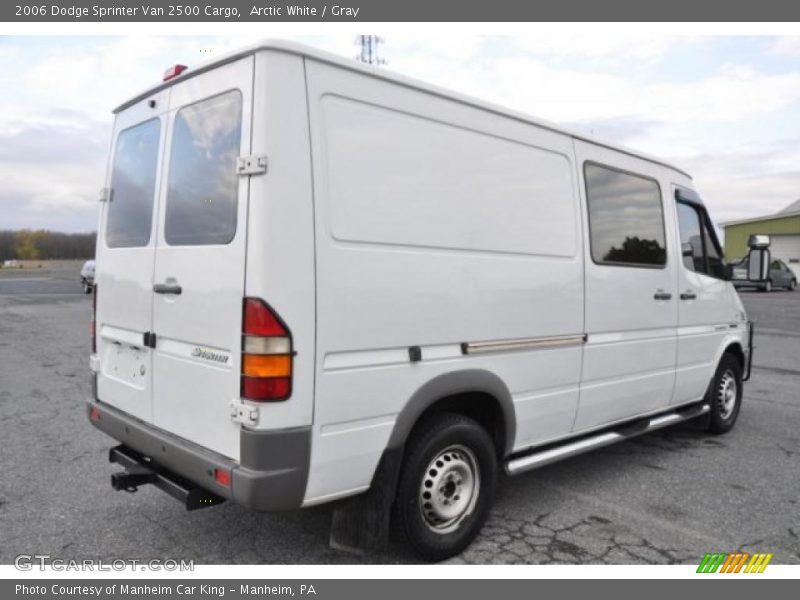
x=401, y=10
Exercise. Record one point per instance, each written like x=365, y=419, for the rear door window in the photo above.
x=133, y=181
x=203, y=185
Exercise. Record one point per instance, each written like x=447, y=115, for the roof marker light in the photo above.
x=174, y=71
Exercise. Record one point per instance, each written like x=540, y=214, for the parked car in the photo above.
x=356, y=285
x=12, y=263
x=87, y=276
x=780, y=275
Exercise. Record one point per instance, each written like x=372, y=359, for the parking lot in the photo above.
x=668, y=497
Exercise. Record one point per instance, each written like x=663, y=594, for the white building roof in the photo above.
x=794, y=207
x=789, y=211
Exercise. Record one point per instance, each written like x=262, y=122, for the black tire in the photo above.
x=725, y=401
x=436, y=454
x=792, y=285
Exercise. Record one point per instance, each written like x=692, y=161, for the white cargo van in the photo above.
x=317, y=280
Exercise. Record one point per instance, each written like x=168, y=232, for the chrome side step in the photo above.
x=550, y=454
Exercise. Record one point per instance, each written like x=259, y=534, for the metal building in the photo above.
x=783, y=227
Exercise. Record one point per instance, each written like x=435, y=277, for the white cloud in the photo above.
x=787, y=45
x=600, y=46
x=590, y=80
x=750, y=182
x=67, y=185
x=438, y=47
x=566, y=95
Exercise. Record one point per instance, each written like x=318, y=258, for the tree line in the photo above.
x=41, y=244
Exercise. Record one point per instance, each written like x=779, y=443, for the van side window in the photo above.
x=202, y=194
x=626, y=218
x=133, y=181
x=699, y=249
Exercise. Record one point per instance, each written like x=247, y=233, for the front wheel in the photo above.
x=446, y=485
x=725, y=395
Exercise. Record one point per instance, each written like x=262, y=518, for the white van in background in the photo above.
x=317, y=280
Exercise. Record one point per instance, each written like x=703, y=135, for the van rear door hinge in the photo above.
x=255, y=164
x=243, y=413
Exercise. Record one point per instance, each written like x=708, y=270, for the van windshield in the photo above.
x=133, y=182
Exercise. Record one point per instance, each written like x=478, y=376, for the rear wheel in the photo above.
x=446, y=485
x=725, y=395
x=767, y=286
x=792, y=285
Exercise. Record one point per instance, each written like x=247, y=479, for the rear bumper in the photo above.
x=272, y=474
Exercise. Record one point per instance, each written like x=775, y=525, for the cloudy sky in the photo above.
x=727, y=109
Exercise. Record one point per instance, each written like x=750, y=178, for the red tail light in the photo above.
x=222, y=477
x=266, y=354
x=260, y=320
x=94, y=320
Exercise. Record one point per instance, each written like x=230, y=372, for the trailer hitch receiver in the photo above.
x=140, y=470
x=131, y=479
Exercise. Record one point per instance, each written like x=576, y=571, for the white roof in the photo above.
x=353, y=65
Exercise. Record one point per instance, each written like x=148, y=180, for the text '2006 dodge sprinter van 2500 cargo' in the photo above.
x=316, y=281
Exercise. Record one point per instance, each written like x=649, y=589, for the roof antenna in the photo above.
x=369, y=49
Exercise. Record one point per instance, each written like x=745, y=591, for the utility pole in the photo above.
x=369, y=49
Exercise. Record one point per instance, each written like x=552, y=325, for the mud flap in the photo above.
x=361, y=524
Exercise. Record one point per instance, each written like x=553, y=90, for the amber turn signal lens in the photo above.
x=267, y=365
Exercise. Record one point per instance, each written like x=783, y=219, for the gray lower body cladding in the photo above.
x=272, y=475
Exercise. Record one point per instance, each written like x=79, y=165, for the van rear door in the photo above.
x=126, y=244
x=198, y=284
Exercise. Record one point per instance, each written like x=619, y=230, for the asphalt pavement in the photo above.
x=668, y=497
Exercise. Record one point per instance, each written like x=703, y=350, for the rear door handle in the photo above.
x=688, y=295
x=660, y=295
x=167, y=288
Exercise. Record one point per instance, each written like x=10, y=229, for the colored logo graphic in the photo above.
x=738, y=562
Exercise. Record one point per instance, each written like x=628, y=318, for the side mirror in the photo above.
x=686, y=249
x=758, y=264
x=758, y=241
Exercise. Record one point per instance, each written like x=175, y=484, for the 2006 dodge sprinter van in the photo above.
x=316, y=281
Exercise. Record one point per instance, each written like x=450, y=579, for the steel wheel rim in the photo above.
x=449, y=489
x=727, y=394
